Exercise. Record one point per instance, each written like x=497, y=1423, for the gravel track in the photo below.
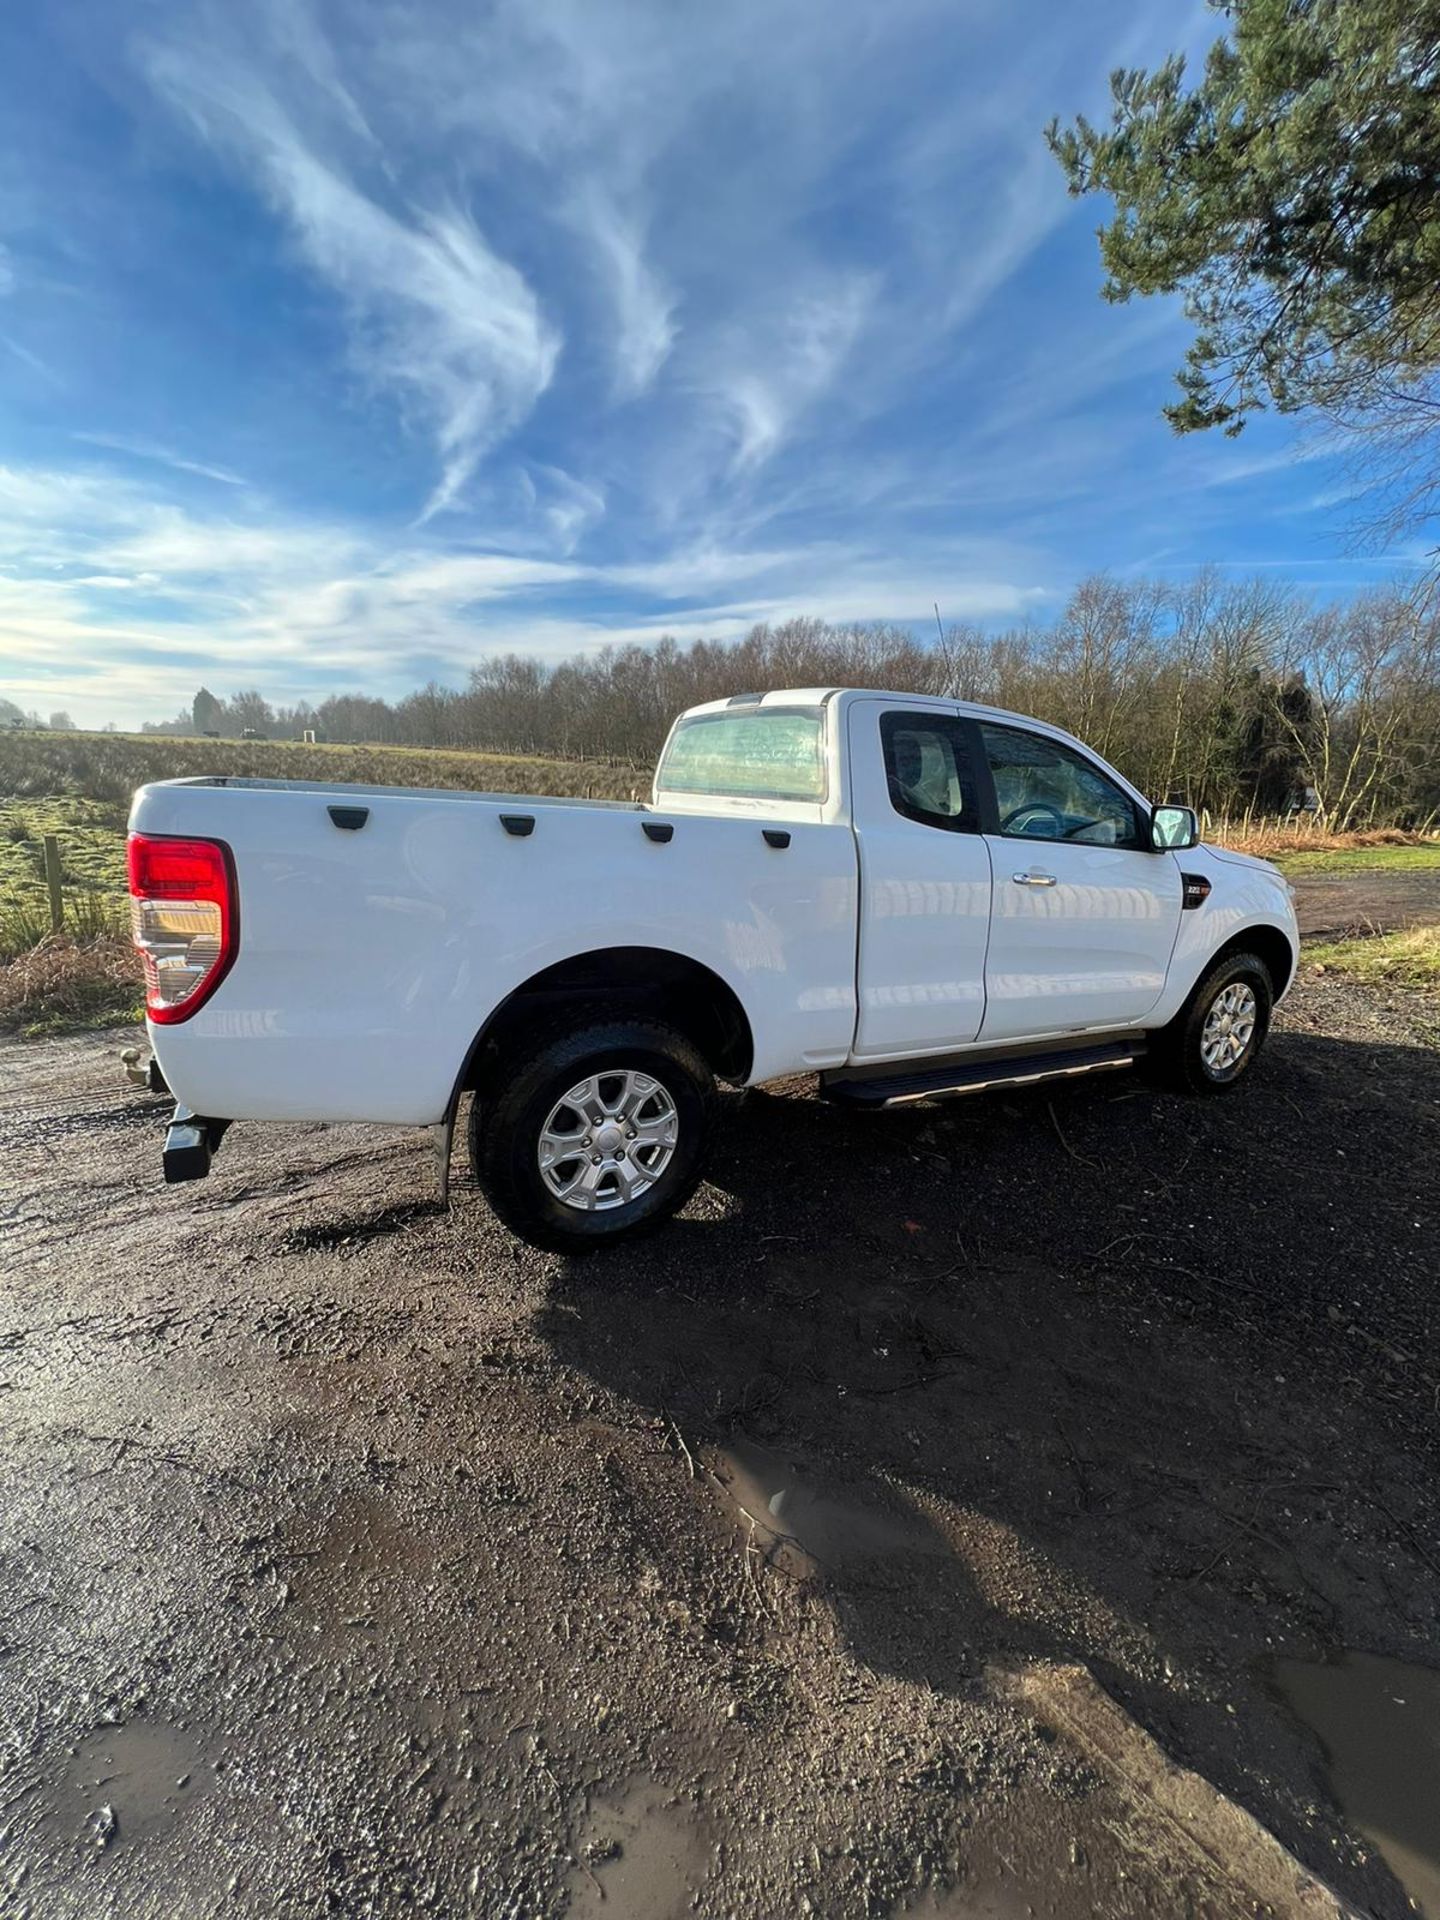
x=360, y=1560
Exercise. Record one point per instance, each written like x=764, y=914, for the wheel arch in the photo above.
x=661, y=981
x=1268, y=943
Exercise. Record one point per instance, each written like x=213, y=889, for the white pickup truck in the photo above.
x=910, y=897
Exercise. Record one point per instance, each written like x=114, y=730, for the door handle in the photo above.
x=1033, y=879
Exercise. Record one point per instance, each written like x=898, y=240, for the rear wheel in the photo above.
x=1214, y=1039
x=593, y=1133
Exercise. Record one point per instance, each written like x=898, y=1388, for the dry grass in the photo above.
x=1270, y=837
x=62, y=985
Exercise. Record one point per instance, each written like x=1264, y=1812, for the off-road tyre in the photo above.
x=1183, y=1055
x=520, y=1095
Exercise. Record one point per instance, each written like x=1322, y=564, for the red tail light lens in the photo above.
x=186, y=926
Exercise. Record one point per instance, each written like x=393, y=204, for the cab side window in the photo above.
x=928, y=771
x=1045, y=791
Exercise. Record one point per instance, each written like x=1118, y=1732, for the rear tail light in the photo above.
x=185, y=920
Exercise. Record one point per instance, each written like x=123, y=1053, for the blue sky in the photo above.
x=343, y=345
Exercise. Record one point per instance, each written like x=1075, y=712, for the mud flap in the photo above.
x=442, y=1139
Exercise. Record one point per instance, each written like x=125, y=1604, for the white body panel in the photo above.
x=924, y=915
x=369, y=961
x=1247, y=894
x=1090, y=951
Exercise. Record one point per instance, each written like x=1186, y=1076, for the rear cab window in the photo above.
x=928, y=772
x=750, y=753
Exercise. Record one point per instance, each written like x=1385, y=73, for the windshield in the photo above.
x=751, y=753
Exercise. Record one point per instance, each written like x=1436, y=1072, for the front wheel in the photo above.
x=595, y=1132
x=1215, y=1037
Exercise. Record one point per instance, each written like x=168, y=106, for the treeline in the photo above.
x=13, y=716
x=1233, y=696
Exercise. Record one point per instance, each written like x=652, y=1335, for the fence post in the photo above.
x=52, y=877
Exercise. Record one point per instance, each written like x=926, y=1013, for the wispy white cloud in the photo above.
x=683, y=167
x=162, y=456
x=28, y=358
x=151, y=596
x=660, y=318
x=437, y=314
x=764, y=395
x=643, y=306
x=1233, y=468
x=567, y=507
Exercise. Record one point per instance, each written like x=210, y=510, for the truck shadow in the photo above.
x=1098, y=1373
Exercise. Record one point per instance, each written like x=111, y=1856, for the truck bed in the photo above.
x=347, y=790
x=369, y=957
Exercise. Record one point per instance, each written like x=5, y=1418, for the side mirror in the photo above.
x=1173, y=829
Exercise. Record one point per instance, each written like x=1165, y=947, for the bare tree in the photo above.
x=1227, y=694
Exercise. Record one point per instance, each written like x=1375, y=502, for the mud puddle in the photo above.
x=124, y=1783
x=819, y=1526
x=643, y=1855
x=1379, y=1722
x=967, y=1903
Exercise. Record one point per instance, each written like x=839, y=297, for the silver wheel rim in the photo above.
x=1229, y=1027
x=608, y=1140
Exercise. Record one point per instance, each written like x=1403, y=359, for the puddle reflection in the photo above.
x=1379, y=1722
x=819, y=1525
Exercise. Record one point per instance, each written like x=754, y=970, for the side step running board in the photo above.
x=945, y=1082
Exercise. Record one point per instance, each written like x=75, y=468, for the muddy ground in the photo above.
x=1332, y=905
x=359, y=1560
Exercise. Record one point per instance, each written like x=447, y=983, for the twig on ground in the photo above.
x=909, y=1386
x=1126, y=1240
x=1080, y=1477
x=1078, y=1158
x=680, y=1442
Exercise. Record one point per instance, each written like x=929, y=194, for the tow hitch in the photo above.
x=191, y=1142
x=143, y=1070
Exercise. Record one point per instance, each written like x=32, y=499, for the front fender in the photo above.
x=1245, y=895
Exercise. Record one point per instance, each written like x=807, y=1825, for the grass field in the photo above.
x=1408, y=958
x=92, y=850
x=1417, y=858
x=109, y=766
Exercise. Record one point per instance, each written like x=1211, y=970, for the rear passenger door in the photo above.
x=924, y=880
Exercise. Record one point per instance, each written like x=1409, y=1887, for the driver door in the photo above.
x=1084, y=916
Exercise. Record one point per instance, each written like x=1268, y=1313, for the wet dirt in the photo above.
x=814, y=1526
x=1331, y=905
x=465, y=1580
x=1379, y=1723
